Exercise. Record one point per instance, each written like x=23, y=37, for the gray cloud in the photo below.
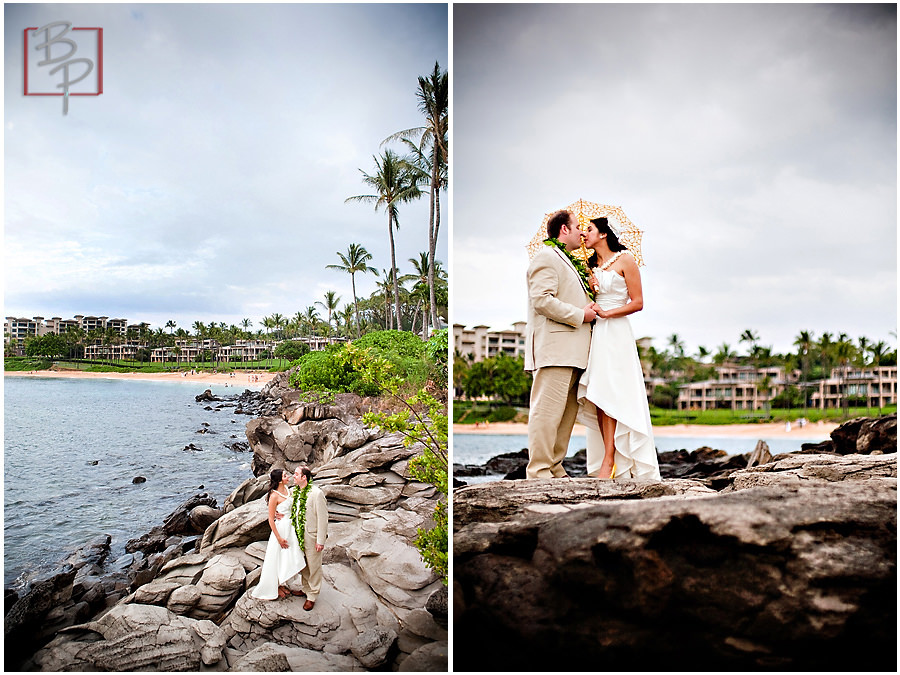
x=209, y=179
x=754, y=144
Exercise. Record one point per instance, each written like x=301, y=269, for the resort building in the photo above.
x=246, y=350
x=737, y=388
x=126, y=351
x=748, y=388
x=17, y=329
x=480, y=343
x=187, y=351
x=874, y=387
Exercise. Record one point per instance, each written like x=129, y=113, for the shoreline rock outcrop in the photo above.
x=182, y=598
x=789, y=564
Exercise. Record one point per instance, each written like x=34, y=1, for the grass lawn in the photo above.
x=20, y=363
x=469, y=412
x=661, y=417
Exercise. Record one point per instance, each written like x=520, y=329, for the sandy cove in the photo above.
x=813, y=431
x=240, y=379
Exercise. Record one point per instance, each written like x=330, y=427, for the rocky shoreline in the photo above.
x=860, y=435
x=178, y=598
x=735, y=563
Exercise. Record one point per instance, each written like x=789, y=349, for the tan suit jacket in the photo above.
x=556, y=334
x=316, y=516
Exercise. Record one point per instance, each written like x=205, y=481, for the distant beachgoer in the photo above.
x=611, y=393
x=284, y=555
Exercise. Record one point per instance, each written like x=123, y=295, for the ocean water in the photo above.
x=478, y=448
x=73, y=446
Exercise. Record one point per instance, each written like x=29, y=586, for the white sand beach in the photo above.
x=250, y=379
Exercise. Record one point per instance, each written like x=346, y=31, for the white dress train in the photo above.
x=614, y=382
x=280, y=564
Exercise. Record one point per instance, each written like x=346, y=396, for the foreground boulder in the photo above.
x=135, y=637
x=580, y=574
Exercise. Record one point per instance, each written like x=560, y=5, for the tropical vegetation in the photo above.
x=502, y=386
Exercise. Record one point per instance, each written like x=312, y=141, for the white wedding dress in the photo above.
x=280, y=564
x=614, y=382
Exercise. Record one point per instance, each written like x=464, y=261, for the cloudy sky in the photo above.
x=208, y=181
x=755, y=145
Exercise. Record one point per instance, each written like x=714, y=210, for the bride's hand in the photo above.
x=283, y=543
x=593, y=283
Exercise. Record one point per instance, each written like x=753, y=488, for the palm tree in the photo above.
x=434, y=96
x=749, y=336
x=844, y=353
x=878, y=351
x=170, y=325
x=764, y=387
x=245, y=324
x=356, y=260
x=268, y=323
x=394, y=184
x=420, y=279
x=863, y=351
x=826, y=349
x=278, y=324
x=311, y=318
x=724, y=354
x=330, y=305
x=297, y=323
x=804, y=343
x=346, y=315
x=385, y=287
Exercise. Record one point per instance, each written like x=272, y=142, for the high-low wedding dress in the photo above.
x=280, y=564
x=614, y=382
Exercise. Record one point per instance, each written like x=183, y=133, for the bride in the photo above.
x=611, y=394
x=284, y=555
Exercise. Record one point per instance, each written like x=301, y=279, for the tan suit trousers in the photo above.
x=311, y=575
x=551, y=417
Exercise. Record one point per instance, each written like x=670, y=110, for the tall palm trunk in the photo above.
x=433, y=224
x=394, y=268
x=355, y=303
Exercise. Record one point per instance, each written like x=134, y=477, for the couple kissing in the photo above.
x=580, y=348
x=298, y=514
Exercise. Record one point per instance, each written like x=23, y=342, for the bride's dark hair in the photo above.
x=274, y=481
x=602, y=225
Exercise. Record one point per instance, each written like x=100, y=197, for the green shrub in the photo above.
x=505, y=413
x=330, y=370
x=291, y=350
x=400, y=342
x=437, y=350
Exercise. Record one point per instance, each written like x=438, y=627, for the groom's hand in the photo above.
x=278, y=516
x=589, y=313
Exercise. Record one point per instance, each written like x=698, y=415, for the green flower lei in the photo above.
x=298, y=511
x=579, y=264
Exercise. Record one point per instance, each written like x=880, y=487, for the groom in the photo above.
x=557, y=340
x=316, y=530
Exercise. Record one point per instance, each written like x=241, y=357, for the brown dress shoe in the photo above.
x=298, y=593
x=308, y=605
